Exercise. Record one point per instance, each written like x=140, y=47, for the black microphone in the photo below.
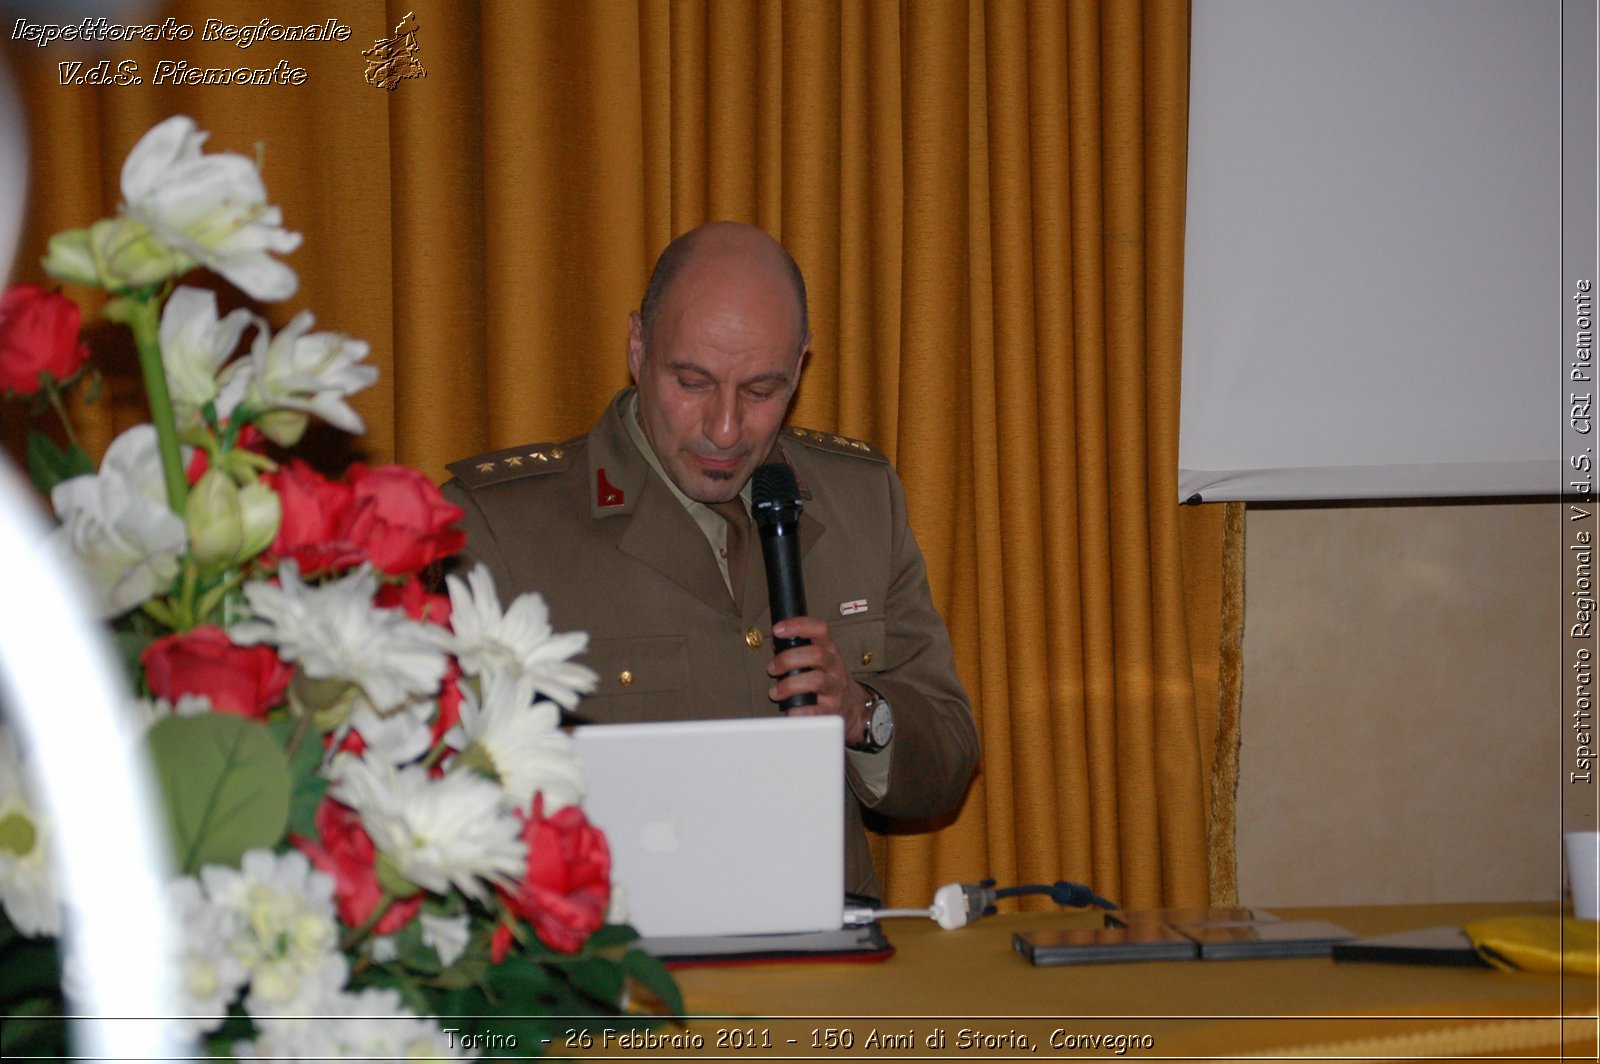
x=775, y=498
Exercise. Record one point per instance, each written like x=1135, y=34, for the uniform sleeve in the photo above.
x=935, y=748
x=481, y=545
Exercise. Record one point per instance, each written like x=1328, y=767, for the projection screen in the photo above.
x=1375, y=303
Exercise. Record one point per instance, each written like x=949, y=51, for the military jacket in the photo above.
x=591, y=527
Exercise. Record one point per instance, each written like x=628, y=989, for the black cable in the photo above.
x=1061, y=892
x=981, y=898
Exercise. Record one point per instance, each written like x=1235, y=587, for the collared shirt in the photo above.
x=710, y=522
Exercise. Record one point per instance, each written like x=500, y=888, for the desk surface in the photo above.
x=975, y=997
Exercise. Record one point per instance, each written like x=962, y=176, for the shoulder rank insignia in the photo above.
x=831, y=441
x=511, y=463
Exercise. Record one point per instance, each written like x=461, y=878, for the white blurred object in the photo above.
x=60, y=685
x=13, y=167
x=66, y=700
x=1583, y=873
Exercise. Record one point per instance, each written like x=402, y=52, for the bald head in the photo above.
x=722, y=247
x=716, y=352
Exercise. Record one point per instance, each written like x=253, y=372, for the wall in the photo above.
x=1401, y=722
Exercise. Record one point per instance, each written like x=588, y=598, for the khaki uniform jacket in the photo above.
x=591, y=527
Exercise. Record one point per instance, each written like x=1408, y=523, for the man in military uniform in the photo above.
x=639, y=533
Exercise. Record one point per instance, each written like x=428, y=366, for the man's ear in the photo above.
x=800, y=366
x=635, y=346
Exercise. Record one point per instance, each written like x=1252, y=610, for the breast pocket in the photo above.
x=861, y=645
x=637, y=677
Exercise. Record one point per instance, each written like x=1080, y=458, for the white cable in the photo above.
x=889, y=914
x=950, y=910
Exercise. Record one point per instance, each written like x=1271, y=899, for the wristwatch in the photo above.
x=880, y=724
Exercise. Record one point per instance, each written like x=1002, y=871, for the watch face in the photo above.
x=882, y=724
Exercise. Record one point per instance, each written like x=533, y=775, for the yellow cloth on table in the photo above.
x=1538, y=943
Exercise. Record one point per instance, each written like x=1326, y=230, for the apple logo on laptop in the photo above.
x=659, y=836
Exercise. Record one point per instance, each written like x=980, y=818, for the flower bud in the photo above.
x=330, y=702
x=283, y=427
x=70, y=258
x=129, y=255
x=213, y=514
x=260, y=512
x=245, y=465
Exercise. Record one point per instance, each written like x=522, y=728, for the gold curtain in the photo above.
x=987, y=201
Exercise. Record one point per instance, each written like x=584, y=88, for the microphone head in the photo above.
x=774, y=485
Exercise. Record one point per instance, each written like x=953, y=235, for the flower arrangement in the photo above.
x=375, y=816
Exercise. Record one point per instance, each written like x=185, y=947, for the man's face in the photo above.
x=717, y=378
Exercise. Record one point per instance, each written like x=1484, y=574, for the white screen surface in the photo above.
x=1373, y=289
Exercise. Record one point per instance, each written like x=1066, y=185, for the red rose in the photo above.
x=392, y=516
x=567, y=888
x=416, y=600
x=400, y=519
x=500, y=943
x=345, y=852
x=315, y=513
x=247, y=681
x=38, y=332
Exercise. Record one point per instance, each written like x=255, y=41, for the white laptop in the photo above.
x=723, y=827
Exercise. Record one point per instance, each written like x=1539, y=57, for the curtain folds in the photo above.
x=987, y=201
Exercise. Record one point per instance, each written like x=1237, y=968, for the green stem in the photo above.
x=144, y=318
x=301, y=727
x=54, y=393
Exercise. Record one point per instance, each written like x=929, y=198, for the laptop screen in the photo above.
x=721, y=827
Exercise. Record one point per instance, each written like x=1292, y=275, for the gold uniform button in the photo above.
x=866, y=659
x=625, y=677
x=752, y=638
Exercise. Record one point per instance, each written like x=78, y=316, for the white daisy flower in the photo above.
x=520, y=641
x=27, y=879
x=448, y=935
x=212, y=207
x=209, y=975
x=333, y=631
x=116, y=526
x=520, y=739
x=370, y=1025
x=309, y=373
x=147, y=712
x=287, y=934
x=455, y=830
x=398, y=738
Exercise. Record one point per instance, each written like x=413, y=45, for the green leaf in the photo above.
x=509, y=1021
x=598, y=982
x=130, y=640
x=30, y=996
x=467, y=971
x=305, y=769
x=416, y=955
x=647, y=969
x=388, y=977
x=49, y=465
x=611, y=936
x=225, y=784
x=28, y=966
x=34, y=1028
x=522, y=982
